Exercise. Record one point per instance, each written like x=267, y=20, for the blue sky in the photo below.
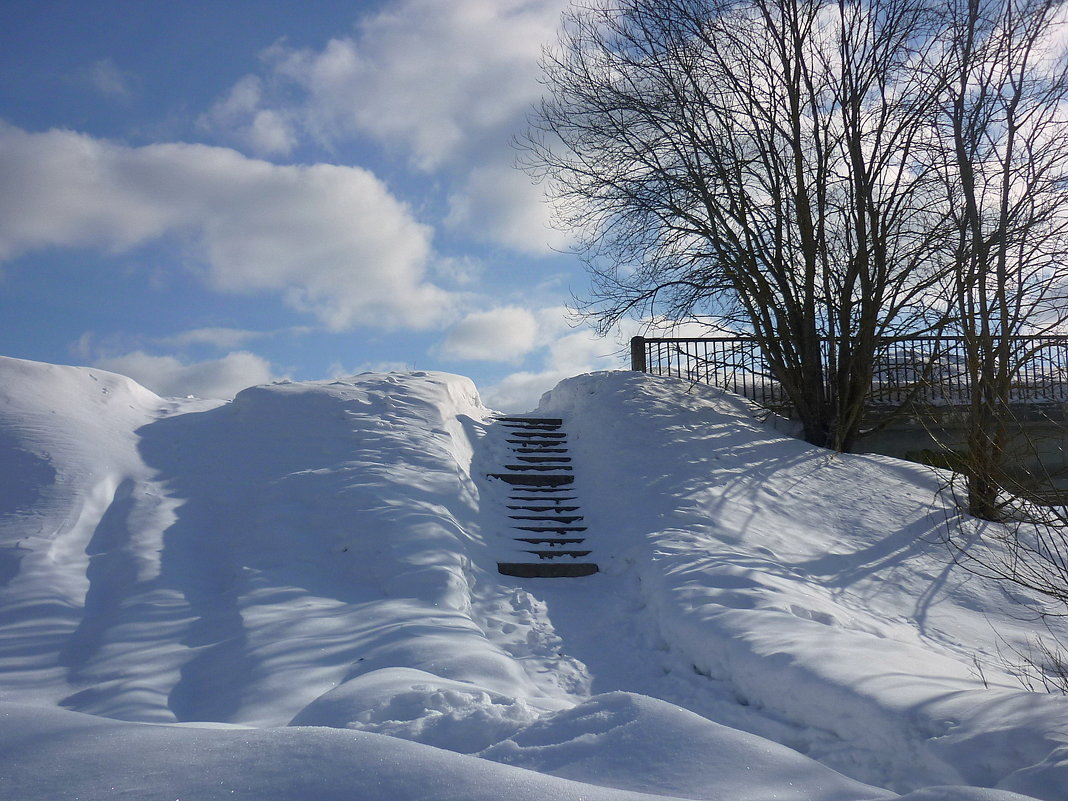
x=207, y=195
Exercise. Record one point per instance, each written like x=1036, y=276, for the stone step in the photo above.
x=547, y=495
x=549, y=519
x=541, y=495
x=515, y=419
x=550, y=529
x=534, y=480
x=546, y=508
x=540, y=468
x=558, y=553
x=550, y=541
x=547, y=569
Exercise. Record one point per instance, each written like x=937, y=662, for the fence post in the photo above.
x=637, y=354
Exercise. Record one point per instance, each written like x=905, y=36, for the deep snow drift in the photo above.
x=294, y=595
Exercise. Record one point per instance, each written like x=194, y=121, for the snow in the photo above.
x=295, y=595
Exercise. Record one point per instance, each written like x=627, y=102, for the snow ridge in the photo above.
x=295, y=594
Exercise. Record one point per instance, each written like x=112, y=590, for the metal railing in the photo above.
x=926, y=370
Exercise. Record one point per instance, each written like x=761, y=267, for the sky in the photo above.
x=205, y=196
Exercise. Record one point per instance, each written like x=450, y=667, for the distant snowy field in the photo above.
x=294, y=595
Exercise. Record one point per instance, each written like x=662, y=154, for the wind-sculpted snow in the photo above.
x=295, y=595
x=638, y=743
x=811, y=591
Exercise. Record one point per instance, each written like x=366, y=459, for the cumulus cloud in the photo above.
x=501, y=204
x=446, y=84
x=581, y=351
x=266, y=131
x=565, y=351
x=331, y=240
x=437, y=77
x=520, y=392
x=503, y=335
x=171, y=378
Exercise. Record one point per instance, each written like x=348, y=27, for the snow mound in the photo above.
x=638, y=743
x=239, y=600
x=52, y=754
x=811, y=588
x=419, y=706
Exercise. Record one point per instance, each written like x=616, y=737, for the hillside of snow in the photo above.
x=294, y=595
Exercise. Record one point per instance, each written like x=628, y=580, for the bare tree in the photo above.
x=758, y=161
x=842, y=171
x=1001, y=137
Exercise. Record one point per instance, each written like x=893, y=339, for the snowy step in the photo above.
x=563, y=520
x=519, y=468
x=550, y=421
x=561, y=530
x=547, y=569
x=558, y=554
x=537, y=480
x=544, y=508
x=547, y=519
x=540, y=477
x=551, y=541
x=545, y=497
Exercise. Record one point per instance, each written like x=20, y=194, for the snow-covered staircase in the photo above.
x=542, y=504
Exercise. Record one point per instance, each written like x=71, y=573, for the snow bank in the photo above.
x=242, y=600
x=54, y=754
x=79, y=518
x=637, y=743
x=811, y=588
x=419, y=706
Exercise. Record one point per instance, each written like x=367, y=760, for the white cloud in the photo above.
x=331, y=240
x=223, y=338
x=501, y=203
x=436, y=77
x=108, y=80
x=557, y=348
x=458, y=270
x=582, y=351
x=448, y=84
x=169, y=377
x=270, y=133
x=520, y=392
x=266, y=131
x=502, y=335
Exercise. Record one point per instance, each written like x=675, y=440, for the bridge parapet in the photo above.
x=918, y=400
x=927, y=370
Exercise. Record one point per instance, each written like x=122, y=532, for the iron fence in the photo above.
x=926, y=370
